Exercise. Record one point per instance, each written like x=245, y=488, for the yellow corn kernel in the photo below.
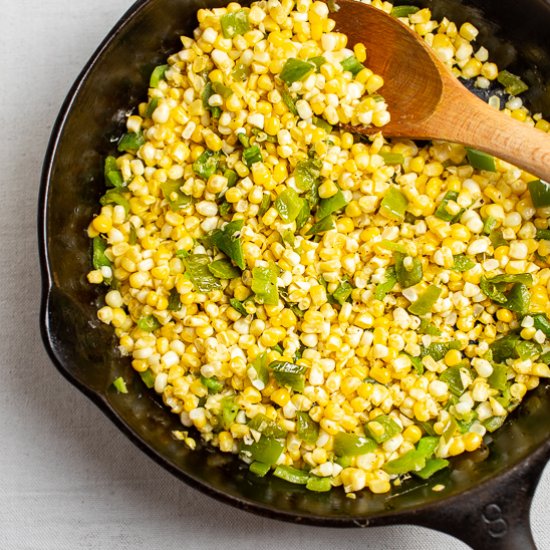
x=457, y=446
x=380, y=374
x=102, y=223
x=226, y=441
x=472, y=441
x=281, y=397
x=252, y=395
x=453, y=357
x=421, y=411
x=360, y=52
x=412, y=434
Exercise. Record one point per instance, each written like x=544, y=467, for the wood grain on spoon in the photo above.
x=426, y=101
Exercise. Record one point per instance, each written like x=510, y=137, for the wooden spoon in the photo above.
x=426, y=101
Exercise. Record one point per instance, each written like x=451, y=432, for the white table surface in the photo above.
x=68, y=479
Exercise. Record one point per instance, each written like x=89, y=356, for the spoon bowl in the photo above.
x=426, y=101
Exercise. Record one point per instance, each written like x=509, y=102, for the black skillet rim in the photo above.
x=427, y=515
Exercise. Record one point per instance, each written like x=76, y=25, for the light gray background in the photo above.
x=68, y=479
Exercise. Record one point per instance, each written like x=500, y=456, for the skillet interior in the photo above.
x=84, y=350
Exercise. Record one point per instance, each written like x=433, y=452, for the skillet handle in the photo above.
x=495, y=515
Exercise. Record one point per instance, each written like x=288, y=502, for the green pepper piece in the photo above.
x=175, y=197
x=518, y=299
x=234, y=23
x=264, y=205
x=323, y=124
x=112, y=196
x=462, y=263
x=289, y=102
x=403, y=11
x=452, y=377
x=196, y=268
x=266, y=450
x=240, y=72
x=266, y=426
x=542, y=323
x=264, y=285
x=151, y=106
x=331, y=205
x=494, y=423
x=428, y=328
x=323, y=225
x=251, y=155
x=148, y=323
x=540, y=193
x=352, y=65
x=411, y=461
x=228, y=241
x=492, y=291
x=352, y=445
x=525, y=278
x=342, y=293
x=113, y=176
x=130, y=142
x=407, y=275
x=417, y=364
x=260, y=366
x=489, y=224
x=383, y=288
x=212, y=384
x=174, y=300
x=504, y=348
x=221, y=89
x=392, y=158
x=318, y=484
x=499, y=377
x=206, y=94
x=432, y=466
x=394, y=247
x=512, y=83
x=259, y=469
x=120, y=385
x=207, y=164
x=480, y=160
x=543, y=235
x=394, y=204
x=148, y=378
x=442, y=213
x=289, y=205
x=303, y=215
x=99, y=258
x=437, y=350
x=307, y=428
x=497, y=239
x=157, y=75
x=318, y=61
x=426, y=301
x=228, y=411
x=390, y=428
x=289, y=374
x=238, y=306
x=295, y=69
x=224, y=269
x=291, y=474
x=132, y=235
x=307, y=173
x=527, y=349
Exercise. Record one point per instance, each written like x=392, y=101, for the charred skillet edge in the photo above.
x=53, y=143
x=449, y=515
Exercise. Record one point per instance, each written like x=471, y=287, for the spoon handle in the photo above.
x=477, y=124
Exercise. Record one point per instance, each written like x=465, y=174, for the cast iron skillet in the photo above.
x=487, y=494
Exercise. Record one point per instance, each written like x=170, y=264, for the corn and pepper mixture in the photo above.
x=341, y=311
